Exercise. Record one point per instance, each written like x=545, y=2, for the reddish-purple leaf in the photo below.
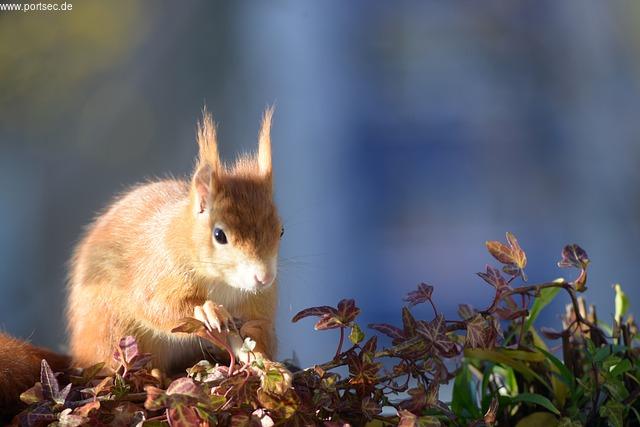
x=476, y=332
x=314, y=311
x=331, y=318
x=185, y=386
x=327, y=322
x=421, y=295
x=494, y=278
x=418, y=400
x=140, y=361
x=370, y=407
x=347, y=311
x=574, y=256
x=189, y=325
x=128, y=349
x=466, y=312
x=371, y=345
x=434, y=333
x=183, y=416
x=156, y=398
x=389, y=330
x=50, y=386
x=408, y=322
x=511, y=314
x=552, y=334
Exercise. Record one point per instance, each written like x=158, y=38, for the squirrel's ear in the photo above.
x=204, y=185
x=208, y=163
x=264, y=143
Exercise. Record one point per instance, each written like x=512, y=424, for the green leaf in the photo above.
x=501, y=356
x=509, y=377
x=621, y=302
x=538, y=419
x=537, y=400
x=614, y=413
x=546, y=296
x=356, y=336
x=562, y=370
x=464, y=402
x=616, y=389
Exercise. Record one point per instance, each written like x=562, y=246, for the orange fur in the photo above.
x=20, y=369
x=150, y=258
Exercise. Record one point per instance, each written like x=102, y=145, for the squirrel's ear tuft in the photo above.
x=206, y=136
x=208, y=163
x=264, y=143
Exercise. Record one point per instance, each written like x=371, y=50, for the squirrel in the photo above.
x=161, y=250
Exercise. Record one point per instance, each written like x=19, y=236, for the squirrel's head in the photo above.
x=237, y=228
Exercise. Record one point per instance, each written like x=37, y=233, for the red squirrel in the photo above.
x=164, y=248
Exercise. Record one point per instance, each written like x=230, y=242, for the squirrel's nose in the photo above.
x=264, y=279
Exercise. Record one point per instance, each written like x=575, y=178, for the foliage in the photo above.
x=501, y=370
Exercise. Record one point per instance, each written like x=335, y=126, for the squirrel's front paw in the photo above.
x=214, y=316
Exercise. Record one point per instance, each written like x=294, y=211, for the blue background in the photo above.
x=406, y=134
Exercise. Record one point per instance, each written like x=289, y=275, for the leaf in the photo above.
x=493, y=277
x=574, y=256
x=189, y=325
x=409, y=322
x=561, y=368
x=188, y=388
x=314, y=311
x=541, y=301
x=621, y=303
x=389, y=330
x=331, y=318
x=370, y=407
x=33, y=395
x=421, y=295
x=61, y=397
x=128, y=349
x=464, y=403
x=183, y=416
x=85, y=409
x=347, y=311
x=356, y=336
x=67, y=419
x=614, y=413
x=538, y=419
x=275, y=378
x=50, y=386
x=552, y=334
x=90, y=372
x=480, y=333
x=512, y=256
x=434, y=333
x=156, y=398
x=498, y=356
x=466, y=312
x=283, y=406
x=536, y=399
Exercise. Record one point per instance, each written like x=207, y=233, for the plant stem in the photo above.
x=339, y=350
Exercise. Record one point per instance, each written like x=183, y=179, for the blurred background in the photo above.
x=406, y=135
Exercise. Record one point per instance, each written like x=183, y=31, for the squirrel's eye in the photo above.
x=220, y=237
x=282, y=231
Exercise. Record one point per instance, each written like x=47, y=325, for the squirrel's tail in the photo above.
x=20, y=369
